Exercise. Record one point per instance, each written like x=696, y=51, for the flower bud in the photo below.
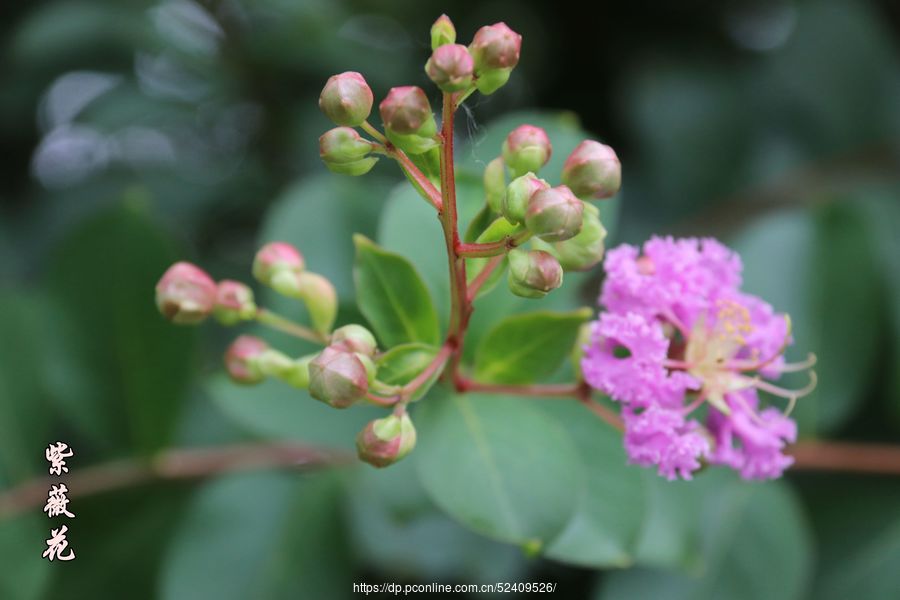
x=405, y=110
x=234, y=302
x=495, y=47
x=533, y=273
x=354, y=338
x=442, y=32
x=316, y=292
x=242, y=359
x=527, y=148
x=554, y=214
x=450, y=67
x=383, y=442
x=489, y=82
x=338, y=378
x=274, y=258
x=343, y=145
x=592, y=170
x=346, y=99
x=584, y=250
x=185, y=294
x=495, y=184
x=518, y=195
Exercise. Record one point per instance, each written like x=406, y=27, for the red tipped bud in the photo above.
x=385, y=441
x=495, y=47
x=344, y=151
x=518, y=195
x=185, y=294
x=242, y=359
x=450, y=67
x=234, y=302
x=533, y=273
x=346, y=99
x=354, y=338
x=274, y=258
x=442, y=32
x=584, y=250
x=405, y=110
x=527, y=148
x=339, y=378
x=554, y=214
x=592, y=170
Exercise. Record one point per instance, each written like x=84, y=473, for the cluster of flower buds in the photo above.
x=565, y=228
x=340, y=375
x=409, y=124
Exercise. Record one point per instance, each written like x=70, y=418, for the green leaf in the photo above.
x=606, y=526
x=392, y=297
x=401, y=364
x=755, y=545
x=497, y=465
x=526, y=348
x=396, y=529
x=858, y=530
x=796, y=261
x=264, y=535
x=129, y=368
x=25, y=574
x=276, y=410
x=24, y=401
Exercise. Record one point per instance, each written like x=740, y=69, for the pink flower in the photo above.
x=679, y=333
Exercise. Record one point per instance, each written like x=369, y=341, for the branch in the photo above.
x=480, y=279
x=422, y=184
x=172, y=465
x=848, y=457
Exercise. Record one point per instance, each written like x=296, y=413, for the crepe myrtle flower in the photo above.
x=679, y=335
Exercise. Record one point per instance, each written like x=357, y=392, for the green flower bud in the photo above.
x=343, y=145
x=185, y=294
x=518, y=195
x=354, y=168
x=554, y=214
x=592, y=170
x=344, y=151
x=495, y=47
x=354, y=338
x=234, y=302
x=442, y=32
x=242, y=359
x=489, y=82
x=347, y=99
x=526, y=148
x=383, y=442
x=584, y=250
x=274, y=258
x=533, y=273
x=338, y=378
x=495, y=184
x=316, y=292
x=450, y=67
x=405, y=110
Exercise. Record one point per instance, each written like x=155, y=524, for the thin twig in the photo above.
x=193, y=463
x=476, y=284
x=285, y=325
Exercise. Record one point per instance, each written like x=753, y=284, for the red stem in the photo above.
x=484, y=250
x=476, y=284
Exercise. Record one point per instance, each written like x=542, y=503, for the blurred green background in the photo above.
x=137, y=133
